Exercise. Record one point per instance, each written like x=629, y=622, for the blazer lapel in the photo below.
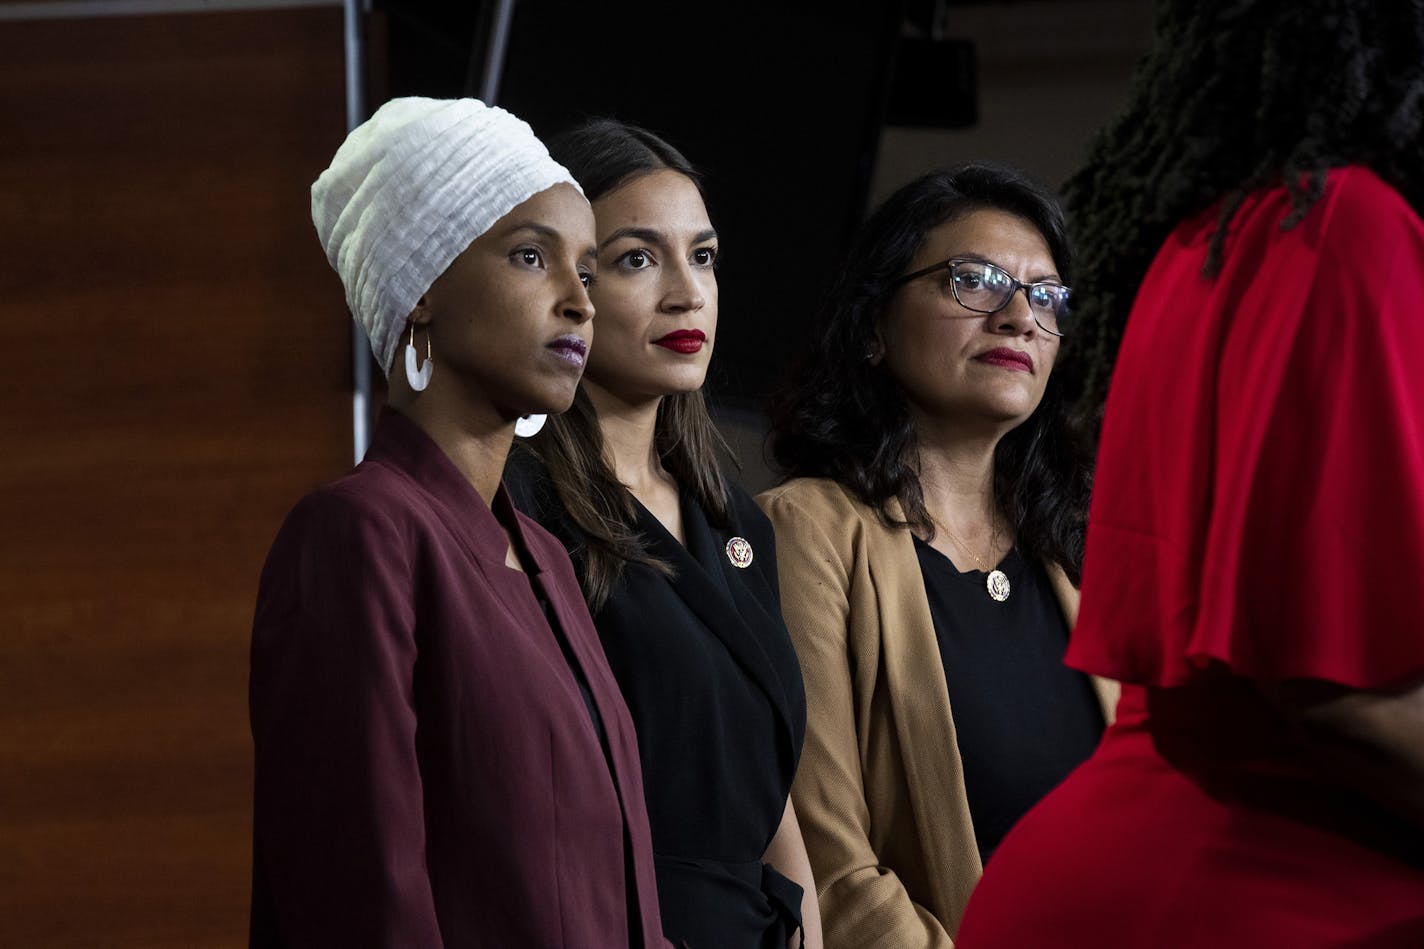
x=703, y=580
x=919, y=694
x=577, y=627
x=400, y=443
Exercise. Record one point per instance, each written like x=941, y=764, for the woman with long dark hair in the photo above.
x=1256, y=539
x=677, y=563
x=442, y=755
x=931, y=534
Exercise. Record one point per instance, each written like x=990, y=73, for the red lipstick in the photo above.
x=683, y=341
x=1015, y=360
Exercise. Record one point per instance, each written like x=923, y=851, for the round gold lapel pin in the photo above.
x=739, y=551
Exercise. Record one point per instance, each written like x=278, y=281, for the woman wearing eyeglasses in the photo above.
x=928, y=544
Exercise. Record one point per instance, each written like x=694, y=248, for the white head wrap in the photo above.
x=409, y=190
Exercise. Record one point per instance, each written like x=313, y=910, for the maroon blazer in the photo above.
x=428, y=773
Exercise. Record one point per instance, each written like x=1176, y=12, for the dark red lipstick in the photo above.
x=1005, y=358
x=683, y=341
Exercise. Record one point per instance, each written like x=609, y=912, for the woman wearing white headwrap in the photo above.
x=442, y=755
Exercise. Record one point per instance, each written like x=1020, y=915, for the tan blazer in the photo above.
x=880, y=790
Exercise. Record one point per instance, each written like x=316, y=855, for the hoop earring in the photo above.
x=418, y=378
x=528, y=425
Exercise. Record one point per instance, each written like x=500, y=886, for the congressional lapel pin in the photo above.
x=739, y=551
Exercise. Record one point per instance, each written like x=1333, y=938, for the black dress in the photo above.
x=708, y=672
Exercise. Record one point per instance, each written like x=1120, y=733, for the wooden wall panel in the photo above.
x=175, y=352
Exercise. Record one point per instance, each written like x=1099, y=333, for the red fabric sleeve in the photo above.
x=1275, y=522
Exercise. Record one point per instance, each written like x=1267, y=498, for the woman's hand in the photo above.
x=1371, y=740
x=787, y=853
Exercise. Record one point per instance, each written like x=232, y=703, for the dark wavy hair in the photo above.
x=604, y=155
x=1235, y=95
x=841, y=417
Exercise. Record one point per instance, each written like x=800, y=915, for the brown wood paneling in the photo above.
x=177, y=376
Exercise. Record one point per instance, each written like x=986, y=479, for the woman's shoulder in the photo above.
x=1362, y=184
x=362, y=516
x=1361, y=204
x=824, y=499
x=1359, y=224
x=371, y=494
x=820, y=512
x=745, y=511
x=1357, y=214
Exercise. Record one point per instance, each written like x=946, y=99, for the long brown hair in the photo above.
x=603, y=155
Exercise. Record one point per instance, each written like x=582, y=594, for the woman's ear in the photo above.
x=875, y=349
x=420, y=315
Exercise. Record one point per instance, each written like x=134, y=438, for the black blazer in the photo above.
x=709, y=674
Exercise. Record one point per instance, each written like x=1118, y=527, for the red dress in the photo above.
x=1258, y=514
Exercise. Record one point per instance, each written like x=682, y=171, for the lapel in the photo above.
x=401, y=444
x=919, y=695
x=571, y=613
x=705, y=579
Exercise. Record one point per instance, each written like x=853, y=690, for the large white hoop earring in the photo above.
x=528, y=425
x=418, y=378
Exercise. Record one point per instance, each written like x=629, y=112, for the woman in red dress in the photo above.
x=1255, y=556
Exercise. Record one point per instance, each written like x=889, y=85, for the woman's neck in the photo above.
x=957, y=483
x=477, y=447
x=629, y=432
x=956, y=472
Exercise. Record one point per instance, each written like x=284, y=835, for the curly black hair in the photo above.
x=1233, y=96
x=844, y=418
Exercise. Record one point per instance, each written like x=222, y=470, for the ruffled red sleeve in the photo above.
x=1259, y=500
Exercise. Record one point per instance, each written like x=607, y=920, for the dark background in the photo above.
x=178, y=368
x=779, y=104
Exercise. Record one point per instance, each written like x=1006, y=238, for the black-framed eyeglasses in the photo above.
x=986, y=288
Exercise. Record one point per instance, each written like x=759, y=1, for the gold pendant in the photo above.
x=998, y=584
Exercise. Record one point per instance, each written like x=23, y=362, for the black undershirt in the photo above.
x=553, y=620
x=1023, y=719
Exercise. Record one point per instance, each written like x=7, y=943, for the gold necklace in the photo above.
x=996, y=581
